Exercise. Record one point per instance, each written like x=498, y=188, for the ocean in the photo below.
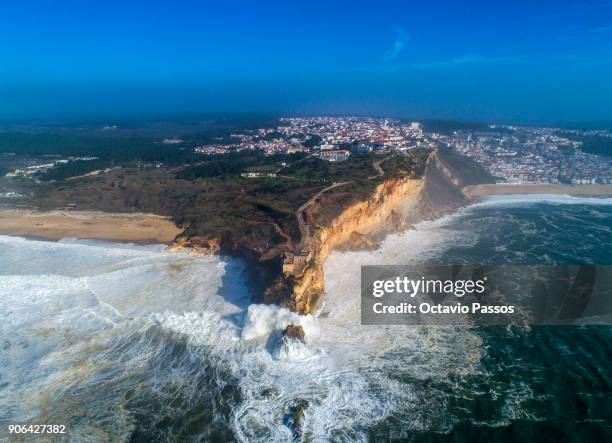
x=132, y=343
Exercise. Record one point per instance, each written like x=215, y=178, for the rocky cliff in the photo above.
x=394, y=205
x=446, y=174
x=303, y=292
x=336, y=219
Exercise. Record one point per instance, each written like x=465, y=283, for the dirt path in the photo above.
x=376, y=164
x=93, y=173
x=300, y=212
x=278, y=229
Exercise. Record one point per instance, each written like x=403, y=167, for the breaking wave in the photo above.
x=131, y=342
x=531, y=199
x=149, y=337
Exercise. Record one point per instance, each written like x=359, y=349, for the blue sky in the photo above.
x=519, y=61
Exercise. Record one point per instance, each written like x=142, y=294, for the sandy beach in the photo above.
x=55, y=225
x=474, y=192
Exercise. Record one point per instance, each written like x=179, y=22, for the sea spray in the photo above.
x=262, y=320
x=134, y=319
x=149, y=344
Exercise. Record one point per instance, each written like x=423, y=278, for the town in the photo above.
x=329, y=138
x=534, y=155
x=511, y=154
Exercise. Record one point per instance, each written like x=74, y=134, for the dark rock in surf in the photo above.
x=268, y=392
x=297, y=416
x=294, y=331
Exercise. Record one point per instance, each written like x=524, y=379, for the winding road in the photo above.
x=376, y=164
x=299, y=213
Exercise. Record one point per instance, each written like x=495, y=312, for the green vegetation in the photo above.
x=203, y=194
x=73, y=168
x=313, y=141
x=118, y=149
x=235, y=163
x=130, y=139
x=357, y=167
x=263, y=168
x=412, y=165
x=211, y=168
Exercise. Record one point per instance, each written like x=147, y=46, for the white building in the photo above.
x=334, y=155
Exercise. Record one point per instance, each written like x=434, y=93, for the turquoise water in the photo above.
x=133, y=343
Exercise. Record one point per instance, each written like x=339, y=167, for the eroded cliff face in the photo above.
x=261, y=271
x=303, y=293
x=446, y=174
x=394, y=205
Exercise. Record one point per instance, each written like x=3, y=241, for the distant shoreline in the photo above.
x=476, y=191
x=58, y=224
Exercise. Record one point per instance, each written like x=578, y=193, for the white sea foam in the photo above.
x=69, y=299
x=531, y=199
x=59, y=299
x=262, y=320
